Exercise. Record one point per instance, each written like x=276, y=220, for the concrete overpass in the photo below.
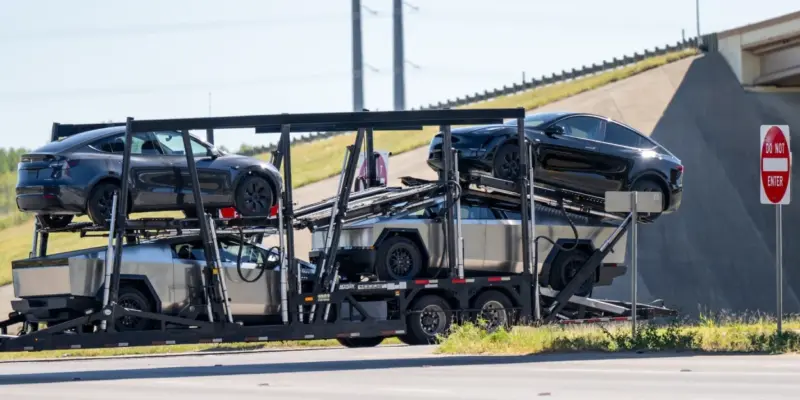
x=765, y=53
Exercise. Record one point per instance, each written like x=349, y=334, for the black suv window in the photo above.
x=143, y=144
x=582, y=127
x=618, y=134
x=172, y=143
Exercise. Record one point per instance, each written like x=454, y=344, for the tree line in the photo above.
x=9, y=158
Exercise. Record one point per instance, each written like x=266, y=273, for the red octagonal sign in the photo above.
x=776, y=162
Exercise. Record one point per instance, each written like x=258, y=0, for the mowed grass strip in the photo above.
x=322, y=159
x=737, y=335
x=176, y=349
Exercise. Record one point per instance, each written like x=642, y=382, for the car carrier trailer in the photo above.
x=357, y=314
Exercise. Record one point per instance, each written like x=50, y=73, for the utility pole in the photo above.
x=697, y=15
x=358, y=62
x=399, y=57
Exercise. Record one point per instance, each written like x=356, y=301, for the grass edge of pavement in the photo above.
x=731, y=335
x=175, y=350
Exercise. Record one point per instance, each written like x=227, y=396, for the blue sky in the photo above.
x=92, y=60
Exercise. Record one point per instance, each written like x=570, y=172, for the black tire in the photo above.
x=649, y=185
x=398, y=259
x=495, y=308
x=132, y=298
x=55, y=221
x=506, y=162
x=564, y=268
x=430, y=318
x=254, y=197
x=406, y=339
x=358, y=342
x=100, y=203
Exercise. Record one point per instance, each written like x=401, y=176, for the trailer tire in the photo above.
x=398, y=259
x=564, y=268
x=358, y=342
x=495, y=308
x=430, y=317
x=130, y=297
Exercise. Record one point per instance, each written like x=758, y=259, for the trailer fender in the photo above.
x=582, y=244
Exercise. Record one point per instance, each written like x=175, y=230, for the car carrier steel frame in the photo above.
x=307, y=314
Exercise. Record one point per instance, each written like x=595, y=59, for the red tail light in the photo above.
x=273, y=211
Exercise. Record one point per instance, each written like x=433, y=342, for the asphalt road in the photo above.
x=406, y=373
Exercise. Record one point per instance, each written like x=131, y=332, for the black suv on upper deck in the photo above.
x=581, y=152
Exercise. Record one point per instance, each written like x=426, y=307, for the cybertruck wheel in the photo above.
x=55, y=221
x=133, y=299
x=254, y=197
x=398, y=259
x=506, y=162
x=648, y=185
x=101, y=202
x=565, y=266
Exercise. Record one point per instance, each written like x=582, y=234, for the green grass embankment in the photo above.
x=322, y=159
x=730, y=335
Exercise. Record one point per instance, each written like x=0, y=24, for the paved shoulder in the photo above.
x=401, y=372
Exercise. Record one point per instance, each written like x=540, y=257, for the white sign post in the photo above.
x=776, y=174
x=634, y=203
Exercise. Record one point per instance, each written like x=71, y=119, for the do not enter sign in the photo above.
x=776, y=160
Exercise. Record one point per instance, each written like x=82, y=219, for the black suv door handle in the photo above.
x=591, y=148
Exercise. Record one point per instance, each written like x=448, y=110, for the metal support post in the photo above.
x=341, y=209
x=109, y=264
x=35, y=241
x=369, y=158
x=522, y=182
x=447, y=174
x=209, y=239
x=122, y=215
x=779, y=263
x=284, y=155
x=320, y=272
x=45, y=238
x=212, y=231
x=460, y=236
x=282, y=261
x=210, y=136
x=634, y=257
x=537, y=307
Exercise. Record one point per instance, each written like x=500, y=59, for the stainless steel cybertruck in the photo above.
x=160, y=275
x=410, y=245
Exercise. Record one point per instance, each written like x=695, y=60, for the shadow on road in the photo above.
x=316, y=366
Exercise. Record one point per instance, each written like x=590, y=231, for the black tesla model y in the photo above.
x=580, y=152
x=79, y=174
